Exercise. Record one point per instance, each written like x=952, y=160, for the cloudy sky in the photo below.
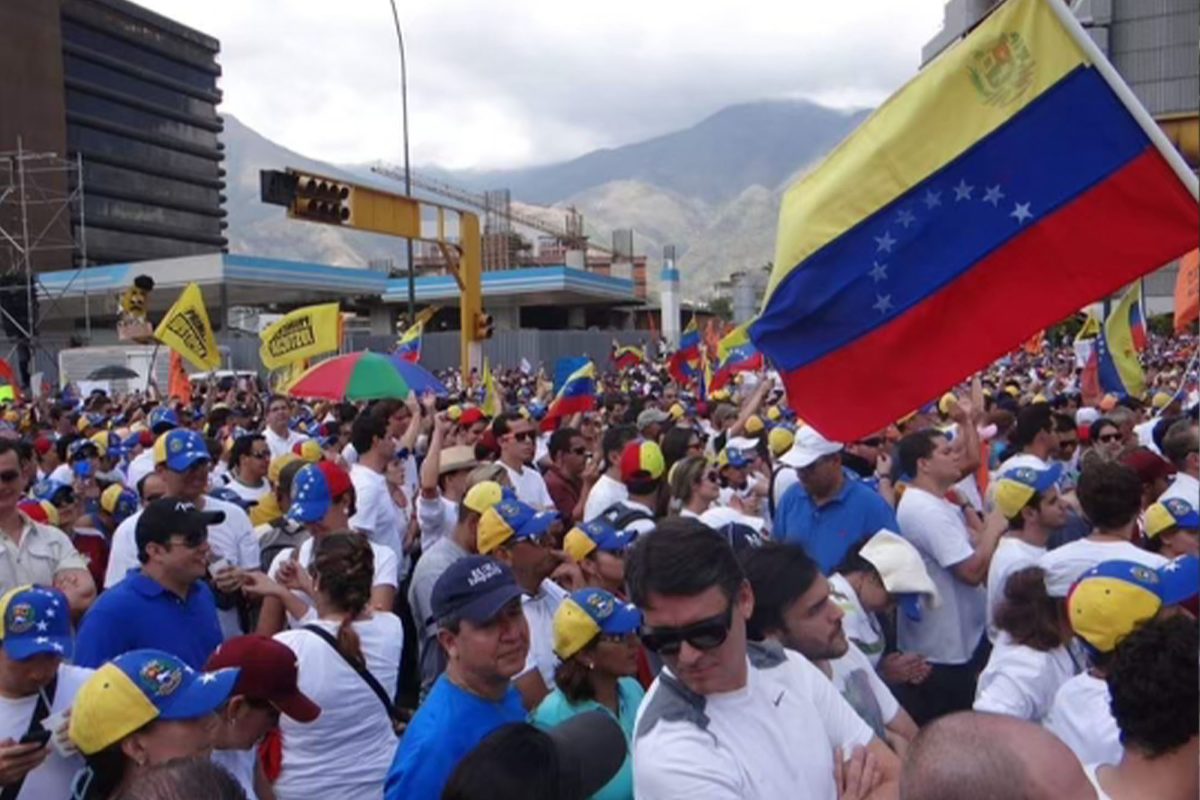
x=520, y=82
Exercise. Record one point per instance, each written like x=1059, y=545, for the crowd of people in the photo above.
x=666, y=595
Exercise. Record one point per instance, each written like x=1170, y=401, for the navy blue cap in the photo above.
x=474, y=588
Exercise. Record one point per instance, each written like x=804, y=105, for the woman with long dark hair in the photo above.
x=349, y=660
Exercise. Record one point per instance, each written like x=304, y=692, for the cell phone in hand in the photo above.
x=35, y=737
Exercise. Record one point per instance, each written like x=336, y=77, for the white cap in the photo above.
x=809, y=446
x=900, y=566
x=1086, y=415
x=138, y=468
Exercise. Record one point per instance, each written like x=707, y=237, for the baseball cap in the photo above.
x=591, y=749
x=754, y=424
x=42, y=445
x=308, y=450
x=163, y=419
x=596, y=534
x=267, y=671
x=1115, y=598
x=168, y=516
x=35, y=620
x=277, y=464
x=1149, y=466
x=511, y=519
x=119, y=501
x=49, y=489
x=651, y=416
x=474, y=588
x=470, y=416
x=180, y=449
x=780, y=440
x=311, y=495
x=676, y=411
x=588, y=613
x=80, y=449
x=138, y=687
x=808, y=447
x=483, y=495
x=1172, y=512
x=902, y=571
x=42, y=511
x=1019, y=484
x=641, y=460
x=454, y=459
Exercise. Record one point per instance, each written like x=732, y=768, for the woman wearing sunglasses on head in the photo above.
x=595, y=636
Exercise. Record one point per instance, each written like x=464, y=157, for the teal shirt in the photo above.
x=557, y=708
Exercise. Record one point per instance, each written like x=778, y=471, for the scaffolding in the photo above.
x=41, y=228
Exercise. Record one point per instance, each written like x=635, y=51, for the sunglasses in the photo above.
x=265, y=454
x=707, y=634
x=712, y=476
x=63, y=500
x=10, y=476
x=191, y=540
x=874, y=441
x=522, y=436
x=1109, y=437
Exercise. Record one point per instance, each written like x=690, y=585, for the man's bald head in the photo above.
x=991, y=757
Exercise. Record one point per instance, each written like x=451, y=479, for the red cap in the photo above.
x=470, y=417
x=42, y=445
x=146, y=439
x=337, y=478
x=268, y=671
x=1147, y=465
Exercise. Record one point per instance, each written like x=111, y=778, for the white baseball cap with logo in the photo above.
x=808, y=447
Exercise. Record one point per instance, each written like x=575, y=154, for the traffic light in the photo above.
x=310, y=197
x=485, y=326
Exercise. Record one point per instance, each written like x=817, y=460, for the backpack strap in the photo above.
x=363, y=673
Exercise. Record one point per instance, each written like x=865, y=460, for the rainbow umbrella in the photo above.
x=355, y=376
x=419, y=379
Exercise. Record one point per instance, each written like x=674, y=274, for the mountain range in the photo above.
x=712, y=190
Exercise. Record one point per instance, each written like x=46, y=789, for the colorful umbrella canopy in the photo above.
x=355, y=376
x=419, y=379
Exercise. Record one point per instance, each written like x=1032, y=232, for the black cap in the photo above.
x=474, y=588
x=168, y=516
x=591, y=749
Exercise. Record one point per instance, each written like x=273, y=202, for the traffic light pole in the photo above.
x=412, y=268
x=317, y=198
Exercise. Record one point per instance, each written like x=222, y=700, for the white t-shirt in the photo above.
x=252, y=494
x=437, y=518
x=949, y=633
x=1082, y=719
x=1012, y=555
x=604, y=493
x=345, y=753
x=279, y=444
x=53, y=778
x=770, y=739
x=862, y=629
x=377, y=514
x=530, y=487
x=1184, y=487
x=241, y=764
x=539, y=614
x=233, y=539
x=1021, y=681
x=385, y=568
x=856, y=680
x=1064, y=565
x=785, y=478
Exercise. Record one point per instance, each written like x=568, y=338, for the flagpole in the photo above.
x=150, y=371
x=1132, y=104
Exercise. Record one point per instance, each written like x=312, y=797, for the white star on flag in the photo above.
x=993, y=195
x=905, y=217
x=50, y=612
x=879, y=272
x=57, y=646
x=1021, y=212
x=963, y=191
x=884, y=243
x=41, y=626
x=41, y=639
x=208, y=677
x=883, y=303
x=933, y=199
x=1171, y=566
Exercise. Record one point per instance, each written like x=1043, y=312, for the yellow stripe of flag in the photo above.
x=968, y=92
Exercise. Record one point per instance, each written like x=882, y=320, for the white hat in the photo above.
x=899, y=565
x=1086, y=415
x=809, y=446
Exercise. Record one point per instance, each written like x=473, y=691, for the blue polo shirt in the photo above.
x=138, y=613
x=445, y=728
x=828, y=532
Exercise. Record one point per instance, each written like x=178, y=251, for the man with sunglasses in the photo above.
x=34, y=552
x=518, y=536
x=725, y=718
x=517, y=438
x=165, y=604
x=182, y=462
x=568, y=479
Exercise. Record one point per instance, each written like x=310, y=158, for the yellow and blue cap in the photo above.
x=163, y=419
x=588, y=613
x=180, y=449
x=122, y=503
x=1017, y=486
x=1173, y=512
x=780, y=440
x=1115, y=598
x=34, y=621
x=511, y=519
x=309, y=450
x=596, y=534
x=138, y=687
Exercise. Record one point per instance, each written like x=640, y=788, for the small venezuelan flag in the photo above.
x=577, y=393
x=1011, y=182
x=735, y=353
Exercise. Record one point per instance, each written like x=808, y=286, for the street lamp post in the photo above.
x=412, y=270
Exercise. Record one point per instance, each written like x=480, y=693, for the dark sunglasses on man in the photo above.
x=707, y=634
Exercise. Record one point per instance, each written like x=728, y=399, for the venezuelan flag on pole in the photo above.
x=628, y=357
x=1012, y=181
x=735, y=353
x=1137, y=318
x=684, y=364
x=1116, y=355
x=577, y=392
x=409, y=346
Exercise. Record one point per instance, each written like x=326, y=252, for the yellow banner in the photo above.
x=491, y=398
x=186, y=330
x=304, y=333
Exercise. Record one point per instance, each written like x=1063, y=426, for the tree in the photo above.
x=721, y=307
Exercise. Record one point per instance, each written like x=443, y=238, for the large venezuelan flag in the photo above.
x=1004, y=187
x=577, y=392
